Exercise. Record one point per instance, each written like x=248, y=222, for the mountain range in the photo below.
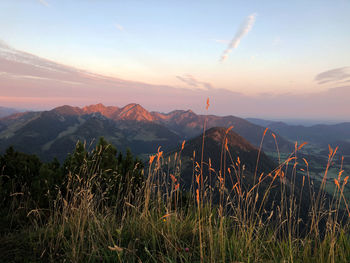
x=54, y=133
x=320, y=135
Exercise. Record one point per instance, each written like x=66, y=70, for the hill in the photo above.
x=235, y=166
x=239, y=152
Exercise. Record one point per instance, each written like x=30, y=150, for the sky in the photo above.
x=271, y=59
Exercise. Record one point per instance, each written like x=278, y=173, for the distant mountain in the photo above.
x=261, y=122
x=55, y=132
x=7, y=111
x=322, y=134
x=108, y=111
x=131, y=111
x=187, y=124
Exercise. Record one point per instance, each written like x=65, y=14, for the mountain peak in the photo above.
x=107, y=111
x=214, y=146
x=95, y=107
x=132, y=111
x=219, y=134
x=135, y=112
x=67, y=110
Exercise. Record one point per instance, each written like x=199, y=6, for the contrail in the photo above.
x=243, y=30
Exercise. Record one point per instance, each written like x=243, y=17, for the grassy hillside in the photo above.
x=93, y=216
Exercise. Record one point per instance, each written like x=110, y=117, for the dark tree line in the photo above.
x=28, y=183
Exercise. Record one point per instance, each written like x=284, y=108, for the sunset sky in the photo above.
x=271, y=59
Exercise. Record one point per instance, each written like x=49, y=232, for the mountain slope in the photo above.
x=236, y=167
x=239, y=151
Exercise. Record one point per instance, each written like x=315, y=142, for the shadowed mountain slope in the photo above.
x=239, y=152
x=236, y=166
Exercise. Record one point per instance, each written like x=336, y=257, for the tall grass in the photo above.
x=164, y=221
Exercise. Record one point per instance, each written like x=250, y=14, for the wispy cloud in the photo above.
x=193, y=82
x=34, y=77
x=242, y=31
x=43, y=2
x=11, y=54
x=119, y=27
x=334, y=75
